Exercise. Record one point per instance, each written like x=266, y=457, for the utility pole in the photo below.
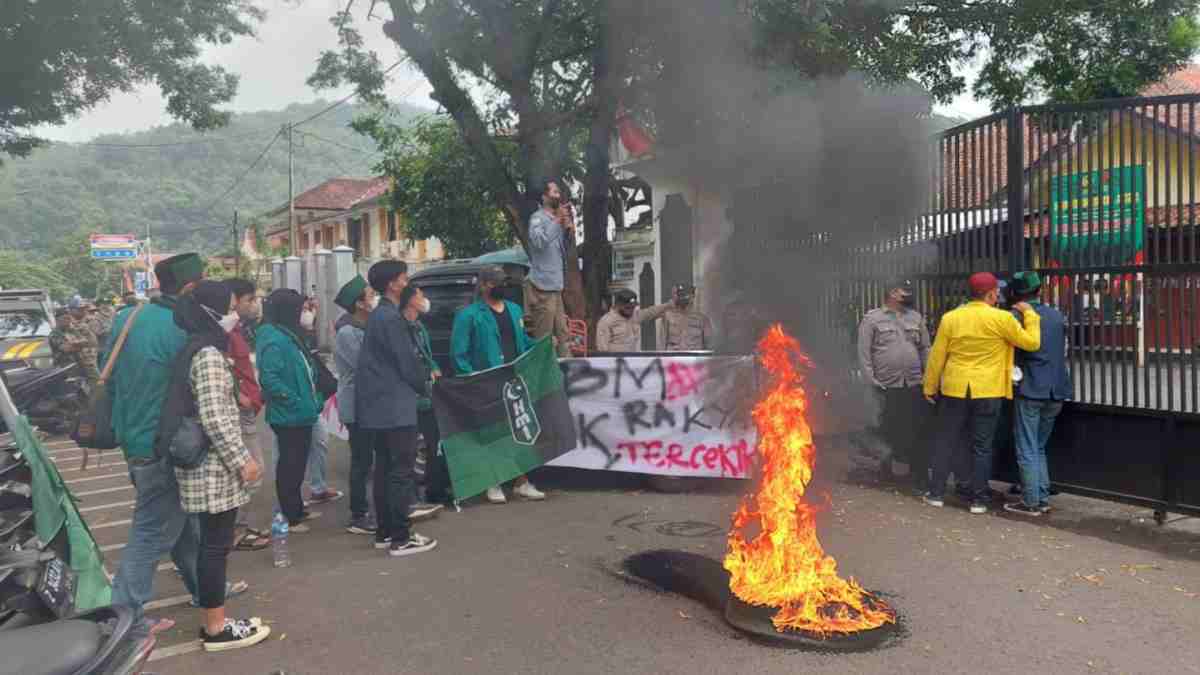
x=293, y=234
x=237, y=248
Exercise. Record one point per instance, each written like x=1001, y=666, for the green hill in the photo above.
x=177, y=187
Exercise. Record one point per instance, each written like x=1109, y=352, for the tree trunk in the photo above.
x=607, y=60
x=403, y=31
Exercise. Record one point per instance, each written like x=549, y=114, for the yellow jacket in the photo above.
x=974, y=348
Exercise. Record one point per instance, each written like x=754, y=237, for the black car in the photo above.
x=450, y=286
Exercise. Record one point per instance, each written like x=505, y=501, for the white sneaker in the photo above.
x=495, y=495
x=526, y=490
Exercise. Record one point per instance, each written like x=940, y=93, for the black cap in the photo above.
x=625, y=297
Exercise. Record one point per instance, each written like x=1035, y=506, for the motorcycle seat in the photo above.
x=57, y=648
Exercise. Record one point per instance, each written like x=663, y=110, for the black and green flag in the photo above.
x=499, y=423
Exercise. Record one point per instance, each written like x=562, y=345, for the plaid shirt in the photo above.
x=216, y=485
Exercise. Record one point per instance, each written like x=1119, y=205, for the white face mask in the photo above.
x=229, y=322
x=425, y=306
x=374, y=302
x=306, y=320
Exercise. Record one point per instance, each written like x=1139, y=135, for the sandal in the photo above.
x=252, y=541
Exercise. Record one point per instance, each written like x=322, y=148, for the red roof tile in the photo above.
x=338, y=194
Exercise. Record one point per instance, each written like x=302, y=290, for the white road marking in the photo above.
x=105, y=491
x=73, y=481
x=115, y=523
x=175, y=650
x=101, y=507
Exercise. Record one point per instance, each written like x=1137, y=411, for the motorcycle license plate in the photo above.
x=57, y=587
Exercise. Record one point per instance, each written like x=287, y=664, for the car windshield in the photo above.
x=24, y=324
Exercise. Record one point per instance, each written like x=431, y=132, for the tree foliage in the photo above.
x=436, y=185
x=171, y=188
x=18, y=270
x=62, y=57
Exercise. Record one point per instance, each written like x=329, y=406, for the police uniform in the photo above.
x=615, y=333
x=686, y=330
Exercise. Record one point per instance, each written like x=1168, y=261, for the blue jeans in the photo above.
x=160, y=526
x=316, y=459
x=965, y=427
x=1033, y=421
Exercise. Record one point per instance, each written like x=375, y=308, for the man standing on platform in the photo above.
x=544, y=285
x=893, y=344
x=970, y=366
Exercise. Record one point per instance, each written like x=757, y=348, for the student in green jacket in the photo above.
x=489, y=333
x=289, y=389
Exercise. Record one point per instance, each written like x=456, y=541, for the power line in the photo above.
x=343, y=146
x=239, y=179
x=343, y=99
x=151, y=146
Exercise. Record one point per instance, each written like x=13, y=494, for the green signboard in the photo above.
x=1102, y=210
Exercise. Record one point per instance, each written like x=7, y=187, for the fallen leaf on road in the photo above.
x=1080, y=619
x=282, y=637
x=1093, y=578
x=684, y=615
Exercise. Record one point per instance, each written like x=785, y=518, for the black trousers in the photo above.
x=395, y=480
x=293, y=445
x=437, y=474
x=965, y=426
x=216, y=539
x=904, y=424
x=361, y=458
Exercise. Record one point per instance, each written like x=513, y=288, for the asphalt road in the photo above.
x=531, y=588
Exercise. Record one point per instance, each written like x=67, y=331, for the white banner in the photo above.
x=665, y=415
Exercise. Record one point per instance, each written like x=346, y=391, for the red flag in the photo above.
x=637, y=141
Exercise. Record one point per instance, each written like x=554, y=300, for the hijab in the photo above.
x=283, y=309
x=197, y=313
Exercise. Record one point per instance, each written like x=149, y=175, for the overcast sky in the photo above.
x=274, y=66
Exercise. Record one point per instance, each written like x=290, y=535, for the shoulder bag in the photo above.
x=94, y=429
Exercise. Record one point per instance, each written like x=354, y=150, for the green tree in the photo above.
x=553, y=71
x=62, y=57
x=436, y=185
x=71, y=259
x=17, y=270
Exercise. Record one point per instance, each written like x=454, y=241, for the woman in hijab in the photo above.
x=203, y=386
x=289, y=389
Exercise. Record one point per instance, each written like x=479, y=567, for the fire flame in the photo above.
x=785, y=566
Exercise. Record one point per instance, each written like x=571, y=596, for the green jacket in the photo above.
x=475, y=339
x=425, y=351
x=138, y=385
x=287, y=380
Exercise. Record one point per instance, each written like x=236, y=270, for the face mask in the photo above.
x=424, y=306
x=907, y=300
x=229, y=322
x=496, y=293
x=554, y=202
x=306, y=320
x=373, y=303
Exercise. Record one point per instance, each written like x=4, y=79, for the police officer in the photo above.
x=893, y=344
x=686, y=329
x=620, y=330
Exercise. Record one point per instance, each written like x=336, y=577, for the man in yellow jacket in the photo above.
x=971, y=367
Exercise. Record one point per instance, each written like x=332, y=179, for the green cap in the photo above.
x=1025, y=283
x=351, y=293
x=179, y=270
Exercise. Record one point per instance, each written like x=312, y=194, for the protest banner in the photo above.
x=664, y=415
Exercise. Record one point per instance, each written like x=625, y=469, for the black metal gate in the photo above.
x=1100, y=199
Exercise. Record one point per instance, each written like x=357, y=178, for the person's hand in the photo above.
x=932, y=400
x=1022, y=307
x=435, y=375
x=243, y=401
x=251, y=471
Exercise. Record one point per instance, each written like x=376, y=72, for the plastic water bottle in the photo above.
x=279, y=537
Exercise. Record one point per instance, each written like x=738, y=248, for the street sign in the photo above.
x=114, y=246
x=114, y=253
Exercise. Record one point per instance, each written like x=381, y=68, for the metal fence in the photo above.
x=1100, y=199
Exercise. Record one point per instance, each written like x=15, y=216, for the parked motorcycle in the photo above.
x=50, y=399
x=104, y=641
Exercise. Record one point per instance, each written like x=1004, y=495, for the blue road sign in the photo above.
x=114, y=253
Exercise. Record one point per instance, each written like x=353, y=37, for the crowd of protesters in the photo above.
x=947, y=395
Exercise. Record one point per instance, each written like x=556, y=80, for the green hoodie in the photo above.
x=287, y=380
x=138, y=384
